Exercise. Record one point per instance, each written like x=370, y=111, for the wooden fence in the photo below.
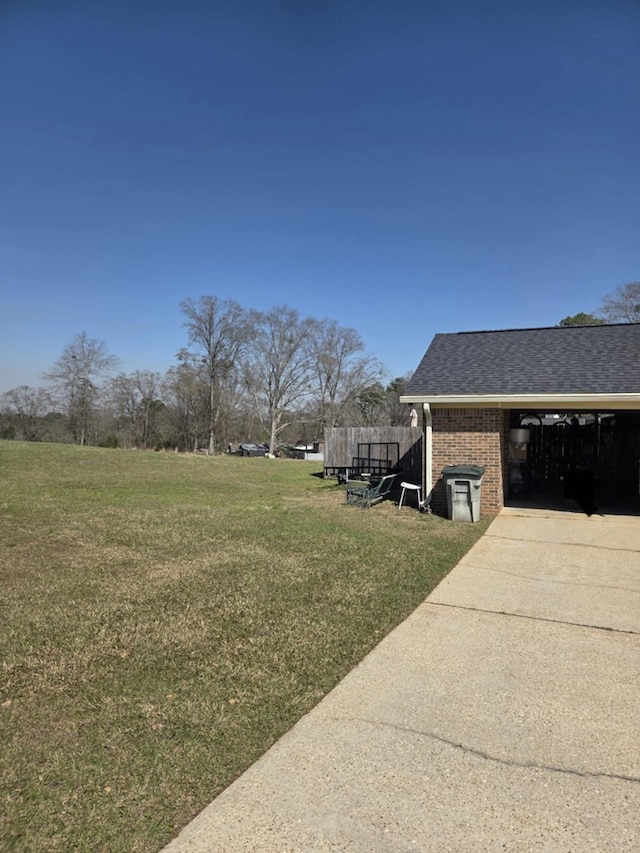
x=350, y=451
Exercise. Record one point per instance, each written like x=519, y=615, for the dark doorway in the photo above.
x=549, y=453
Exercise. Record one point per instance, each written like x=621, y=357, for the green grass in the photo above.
x=165, y=618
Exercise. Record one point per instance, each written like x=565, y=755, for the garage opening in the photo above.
x=590, y=460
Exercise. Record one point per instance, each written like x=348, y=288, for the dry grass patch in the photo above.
x=166, y=618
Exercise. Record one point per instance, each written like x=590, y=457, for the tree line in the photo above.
x=621, y=306
x=243, y=376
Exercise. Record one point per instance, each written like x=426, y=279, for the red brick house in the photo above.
x=532, y=406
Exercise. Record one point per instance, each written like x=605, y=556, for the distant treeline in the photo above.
x=244, y=375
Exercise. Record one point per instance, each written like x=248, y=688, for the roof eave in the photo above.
x=526, y=401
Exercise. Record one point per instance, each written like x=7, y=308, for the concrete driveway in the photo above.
x=503, y=714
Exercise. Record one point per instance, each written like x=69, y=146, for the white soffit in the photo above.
x=527, y=401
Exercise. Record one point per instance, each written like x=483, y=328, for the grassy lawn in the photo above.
x=165, y=618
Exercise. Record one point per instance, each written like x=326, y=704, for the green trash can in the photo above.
x=463, y=486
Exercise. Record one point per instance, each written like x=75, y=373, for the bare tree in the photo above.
x=29, y=406
x=218, y=331
x=74, y=376
x=134, y=398
x=370, y=406
x=186, y=415
x=341, y=370
x=278, y=367
x=623, y=305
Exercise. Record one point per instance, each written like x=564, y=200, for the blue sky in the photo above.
x=404, y=167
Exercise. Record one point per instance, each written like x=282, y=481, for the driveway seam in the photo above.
x=547, y=579
x=567, y=544
x=534, y=618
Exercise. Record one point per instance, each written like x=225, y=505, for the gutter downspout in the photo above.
x=428, y=454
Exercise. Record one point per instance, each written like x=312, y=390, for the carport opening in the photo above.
x=585, y=460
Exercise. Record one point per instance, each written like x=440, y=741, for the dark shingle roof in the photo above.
x=557, y=360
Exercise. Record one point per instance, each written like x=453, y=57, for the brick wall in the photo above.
x=470, y=436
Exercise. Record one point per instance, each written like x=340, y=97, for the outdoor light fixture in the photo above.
x=519, y=436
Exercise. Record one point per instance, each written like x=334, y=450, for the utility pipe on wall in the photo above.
x=428, y=453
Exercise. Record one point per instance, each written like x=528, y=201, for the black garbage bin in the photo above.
x=463, y=485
